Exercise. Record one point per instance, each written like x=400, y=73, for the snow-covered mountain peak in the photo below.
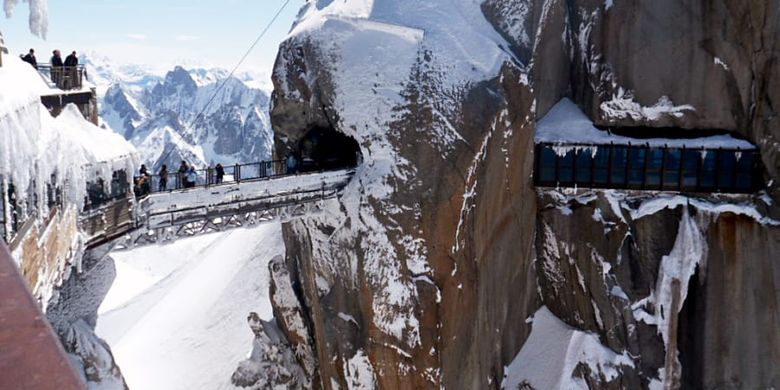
x=159, y=113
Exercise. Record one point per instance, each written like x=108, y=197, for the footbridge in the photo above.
x=159, y=217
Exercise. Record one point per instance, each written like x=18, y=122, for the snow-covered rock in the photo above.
x=441, y=251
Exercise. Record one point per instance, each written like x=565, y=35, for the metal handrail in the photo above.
x=64, y=77
x=145, y=185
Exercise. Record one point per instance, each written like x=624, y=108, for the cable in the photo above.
x=240, y=62
x=235, y=68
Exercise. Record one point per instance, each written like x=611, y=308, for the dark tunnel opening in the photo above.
x=324, y=149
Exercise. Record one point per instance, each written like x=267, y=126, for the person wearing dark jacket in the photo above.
x=183, y=168
x=70, y=71
x=163, y=178
x=56, y=68
x=56, y=59
x=220, y=173
x=72, y=60
x=30, y=59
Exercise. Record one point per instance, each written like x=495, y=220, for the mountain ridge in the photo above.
x=198, y=115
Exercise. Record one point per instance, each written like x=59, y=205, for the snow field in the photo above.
x=176, y=315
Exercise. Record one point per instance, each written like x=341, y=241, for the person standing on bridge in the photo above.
x=292, y=164
x=30, y=59
x=220, y=170
x=183, y=168
x=144, y=181
x=192, y=177
x=163, y=178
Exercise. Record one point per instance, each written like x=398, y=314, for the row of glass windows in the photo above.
x=642, y=167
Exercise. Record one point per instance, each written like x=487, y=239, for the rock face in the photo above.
x=73, y=315
x=683, y=64
x=442, y=253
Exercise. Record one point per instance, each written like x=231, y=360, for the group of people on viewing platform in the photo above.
x=60, y=70
x=56, y=59
x=186, y=177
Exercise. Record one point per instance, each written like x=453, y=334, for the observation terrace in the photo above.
x=571, y=152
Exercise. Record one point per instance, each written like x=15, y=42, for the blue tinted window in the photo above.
x=601, y=165
x=654, y=163
x=566, y=168
x=547, y=165
x=708, y=165
x=672, y=168
x=690, y=168
x=619, y=164
x=727, y=164
x=745, y=163
x=584, y=165
x=636, y=166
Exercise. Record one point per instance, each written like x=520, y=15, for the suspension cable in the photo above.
x=235, y=68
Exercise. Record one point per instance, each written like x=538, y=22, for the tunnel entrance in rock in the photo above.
x=326, y=149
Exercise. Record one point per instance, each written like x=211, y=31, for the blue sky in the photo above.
x=157, y=32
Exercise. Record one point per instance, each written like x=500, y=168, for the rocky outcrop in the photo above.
x=73, y=315
x=442, y=253
x=93, y=356
x=272, y=363
x=612, y=265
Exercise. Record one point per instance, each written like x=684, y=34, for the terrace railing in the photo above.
x=650, y=168
x=64, y=77
x=208, y=177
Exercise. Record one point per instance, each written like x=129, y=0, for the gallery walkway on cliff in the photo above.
x=571, y=152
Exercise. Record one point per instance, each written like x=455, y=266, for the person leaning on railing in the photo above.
x=56, y=68
x=220, y=170
x=163, y=178
x=71, y=71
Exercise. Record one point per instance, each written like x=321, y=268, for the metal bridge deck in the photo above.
x=162, y=217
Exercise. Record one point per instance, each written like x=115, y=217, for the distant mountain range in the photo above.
x=157, y=113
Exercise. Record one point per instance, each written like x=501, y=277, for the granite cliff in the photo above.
x=445, y=267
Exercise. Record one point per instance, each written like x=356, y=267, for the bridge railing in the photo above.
x=150, y=184
x=651, y=168
x=64, y=77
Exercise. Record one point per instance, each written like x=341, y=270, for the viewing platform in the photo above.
x=68, y=87
x=571, y=152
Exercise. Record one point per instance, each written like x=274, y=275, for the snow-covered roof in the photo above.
x=565, y=123
x=34, y=145
x=99, y=145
